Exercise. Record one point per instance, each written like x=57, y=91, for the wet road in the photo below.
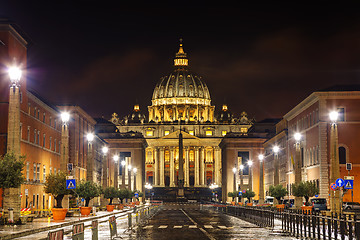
x=189, y=222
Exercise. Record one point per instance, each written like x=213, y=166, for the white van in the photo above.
x=269, y=200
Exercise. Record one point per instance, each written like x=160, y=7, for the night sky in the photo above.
x=262, y=59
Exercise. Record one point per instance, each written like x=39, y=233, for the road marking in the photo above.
x=192, y=226
x=208, y=226
x=163, y=226
x=201, y=229
x=178, y=226
x=148, y=226
x=222, y=227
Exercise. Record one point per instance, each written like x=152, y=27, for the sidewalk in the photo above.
x=48, y=224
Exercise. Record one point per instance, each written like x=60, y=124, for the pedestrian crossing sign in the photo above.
x=70, y=184
x=349, y=184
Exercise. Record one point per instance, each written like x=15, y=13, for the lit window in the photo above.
x=243, y=130
x=223, y=133
x=191, y=133
x=209, y=133
x=149, y=133
x=167, y=133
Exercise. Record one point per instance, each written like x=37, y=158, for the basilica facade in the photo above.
x=181, y=102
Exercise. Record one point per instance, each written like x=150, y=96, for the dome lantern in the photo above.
x=180, y=57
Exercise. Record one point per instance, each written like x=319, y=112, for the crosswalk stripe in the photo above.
x=178, y=226
x=148, y=226
x=222, y=227
x=208, y=226
x=163, y=226
x=192, y=226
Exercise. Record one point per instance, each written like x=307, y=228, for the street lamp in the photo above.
x=65, y=117
x=116, y=160
x=297, y=166
x=234, y=185
x=134, y=171
x=104, y=150
x=334, y=161
x=276, y=150
x=148, y=186
x=250, y=163
x=15, y=75
x=261, y=182
x=90, y=161
x=129, y=176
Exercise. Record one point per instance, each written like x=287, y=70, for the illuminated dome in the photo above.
x=184, y=90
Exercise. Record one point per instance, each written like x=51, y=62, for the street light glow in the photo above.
x=14, y=74
x=241, y=167
x=90, y=137
x=333, y=115
x=234, y=170
x=261, y=157
x=116, y=158
x=123, y=163
x=105, y=149
x=297, y=136
x=65, y=117
x=276, y=149
x=129, y=167
x=134, y=169
x=250, y=163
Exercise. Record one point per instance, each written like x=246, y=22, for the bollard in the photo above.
x=129, y=221
x=11, y=215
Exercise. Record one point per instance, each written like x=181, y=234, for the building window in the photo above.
x=34, y=173
x=209, y=133
x=341, y=117
x=35, y=136
x=50, y=121
x=27, y=171
x=342, y=155
x=50, y=171
x=223, y=133
x=44, y=140
x=191, y=133
x=29, y=108
x=28, y=134
x=243, y=130
x=149, y=133
x=35, y=112
x=44, y=173
x=44, y=118
x=50, y=146
x=55, y=123
x=38, y=114
x=38, y=171
x=167, y=133
x=55, y=145
x=38, y=137
x=55, y=170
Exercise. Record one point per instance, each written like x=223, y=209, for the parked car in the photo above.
x=269, y=200
x=319, y=204
x=351, y=206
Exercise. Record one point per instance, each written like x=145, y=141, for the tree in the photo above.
x=11, y=171
x=111, y=193
x=233, y=195
x=87, y=190
x=277, y=192
x=123, y=194
x=305, y=189
x=248, y=194
x=55, y=184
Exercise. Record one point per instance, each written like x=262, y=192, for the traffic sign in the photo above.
x=136, y=195
x=349, y=184
x=348, y=166
x=70, y=166
x=240, y=193
x=333, y=186
x=348, y=177
x=70, y=183
x=339, y=182
x=316, y=195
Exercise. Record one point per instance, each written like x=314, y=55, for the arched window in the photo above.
x=342, y=155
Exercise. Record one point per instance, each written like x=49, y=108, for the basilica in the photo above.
x=181, y=102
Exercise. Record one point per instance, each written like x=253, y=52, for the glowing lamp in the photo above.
x=65, y=117
x=90, y=137
x=334, y=115
x=14, y=74
x=105, y=149
x=261, y=157
x=116, y=158
x=297, y=136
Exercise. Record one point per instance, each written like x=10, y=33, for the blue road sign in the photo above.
x=70, y=183
x=316, y=195
x=240, y=193
x=136, y=195
x=340, y=182
x=349, y=184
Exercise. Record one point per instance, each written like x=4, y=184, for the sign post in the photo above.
x=94, y=229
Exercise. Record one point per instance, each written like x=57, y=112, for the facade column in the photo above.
x=162, y=167
x=172, y=167
x=217, y=161
x=186, y=171
x=197, y=166
x=202, y=166
x=156, y=173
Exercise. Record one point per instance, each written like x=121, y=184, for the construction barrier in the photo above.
x=56, y=235
x=25, y=211
x=78, y=232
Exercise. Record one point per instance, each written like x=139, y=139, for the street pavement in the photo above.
x=178, y=221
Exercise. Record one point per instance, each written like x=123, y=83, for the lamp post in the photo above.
x=116, y=160
x=250, y=163
x=65, y=117
x=334, y=161
x=148, y=186
x=297, y=167
x=129, y=177
x=234, y=185
x=135, y=171
x=261, y=182
x=90, y=161
x=123, y=163
x=276, y=150
x=104, y=150
x=13, y=139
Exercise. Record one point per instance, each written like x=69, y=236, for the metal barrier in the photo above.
x=78, y=232
x=56, y=235
x=316, y=226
